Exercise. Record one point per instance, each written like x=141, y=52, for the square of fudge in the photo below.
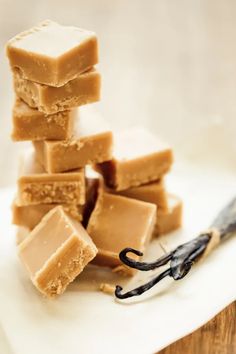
x=31, y=124
x=138, y=158
x=55, y=252
x=118, y=222
x=53, y=54
x=154, y=192
x=91, y=142
x=30, y=215
x=35, y=186
x=171, y=219
x=83, y=89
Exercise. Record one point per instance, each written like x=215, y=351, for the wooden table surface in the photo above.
x=217, y=337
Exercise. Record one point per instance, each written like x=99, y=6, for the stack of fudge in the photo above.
x=84, y=193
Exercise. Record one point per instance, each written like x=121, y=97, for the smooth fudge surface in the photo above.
x=83, y=89
x=91, y=142
x=53, y=54
x=31, y=124
x=171, y=219
x=118, y=222
x=169, y=206
x=35, y=186
x=138, y=158
x=154, y=192
x=56, y=251
x=30, y=215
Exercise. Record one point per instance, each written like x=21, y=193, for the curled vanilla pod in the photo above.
x=184, y=256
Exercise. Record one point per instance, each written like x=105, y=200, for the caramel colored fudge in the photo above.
x=55, y=252
x=118, y=222
x=138, y=158
x=30, y=215
x=35, y=186
x=91, y=142
x=30, y=124
x=169, y=207
x=153, y=192
x=171, y=219
x=84, y=89
x=52, y=54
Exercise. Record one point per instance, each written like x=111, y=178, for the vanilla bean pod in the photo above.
x=184, y=256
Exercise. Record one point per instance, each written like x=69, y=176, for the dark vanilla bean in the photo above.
x=184, y=256
x=143, y=288
x=144, y=266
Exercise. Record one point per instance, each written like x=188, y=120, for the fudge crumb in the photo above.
x=107, y=288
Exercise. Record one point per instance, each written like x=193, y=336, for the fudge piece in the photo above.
x=30, y=124
x=30, y=215
x=91, y=142
x=153, y=192
x=85, y=88
x=169, y=207
x=35, y=186
x=138, y=158
x=56, y=251
x=171, y=219
x=52, y=54
x=118, y=222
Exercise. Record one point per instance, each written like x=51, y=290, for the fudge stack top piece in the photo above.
x=52, y=54
x=53, y=67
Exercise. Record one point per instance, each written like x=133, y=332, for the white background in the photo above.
x=166, y=64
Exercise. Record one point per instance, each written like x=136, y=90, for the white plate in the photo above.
x=85, y=320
